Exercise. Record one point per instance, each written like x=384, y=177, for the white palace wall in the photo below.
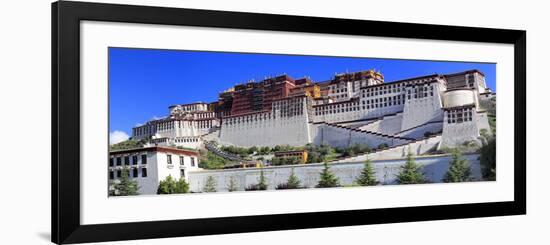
x=286, y=124
x=424, y=109
x=387, y=125
x=457, y=133
x=292, y=131
x=344, y=137
x=419, y=131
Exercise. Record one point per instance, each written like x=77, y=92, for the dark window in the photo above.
x=144, y=159
x=182, y=173
x=126, y=160
x=119, y=173
x=111, y=161
x=135, y=172
x=134, y=160
x=192, y=162
x=118, y=161
x=181, y=160
x=111, y=174
x=169, y=159
x=144, y=172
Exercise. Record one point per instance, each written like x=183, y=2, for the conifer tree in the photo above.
x=459, y=169
x=327, y=178
x=293, y=182
x=210, y=185
x=262, y=183
x=368, y=175
x=126, y=187
x=410, y=172
x=232, y=186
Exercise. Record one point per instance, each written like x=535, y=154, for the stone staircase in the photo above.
x=212, y=147
x=417, y=147
x=367, y=131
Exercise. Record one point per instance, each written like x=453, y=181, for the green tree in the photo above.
x=252, y=149
x=410, y=172
x=262, y=182
x=368, y=175
x=488, y=160
x=210, y=185
x=291, y=183
x=126, y=187
x=232, y=185
x=459, y=169
x=327, y=178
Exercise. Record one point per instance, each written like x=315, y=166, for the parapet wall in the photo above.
x=270, y=132
x=434, y=169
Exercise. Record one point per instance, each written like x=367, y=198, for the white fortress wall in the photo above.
x=455, y=134
x=426, y=107
x=434, y=169
x=416, y=148
x=286, y=124
x=419, y=131
x=336, y=136
x=267, y=132
x=460, y=117
x=387, y=125
x=174, y=128
x=483, y=122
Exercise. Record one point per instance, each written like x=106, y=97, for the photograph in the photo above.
x=195, y=121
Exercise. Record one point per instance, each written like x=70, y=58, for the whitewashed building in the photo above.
x=149, y=165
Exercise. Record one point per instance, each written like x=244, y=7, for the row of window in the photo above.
x=118, y=160
x=186, y=140
x=146, y=130
x=249, y=118
x=134, y=173
x=182, y=162
x=460, y=115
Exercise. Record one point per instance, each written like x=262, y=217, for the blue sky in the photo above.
x=144, y=82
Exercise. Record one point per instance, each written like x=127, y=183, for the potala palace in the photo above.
x=416, y=115
x=351, y=108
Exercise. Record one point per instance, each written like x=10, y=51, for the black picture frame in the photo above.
x=65, y=169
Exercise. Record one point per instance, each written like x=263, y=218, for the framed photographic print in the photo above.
x=177, y=122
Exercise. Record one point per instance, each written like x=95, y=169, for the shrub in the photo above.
x=382, y=146
x=488, y=160
x=170, y=186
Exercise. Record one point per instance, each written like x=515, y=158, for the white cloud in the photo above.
x=117, y=137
